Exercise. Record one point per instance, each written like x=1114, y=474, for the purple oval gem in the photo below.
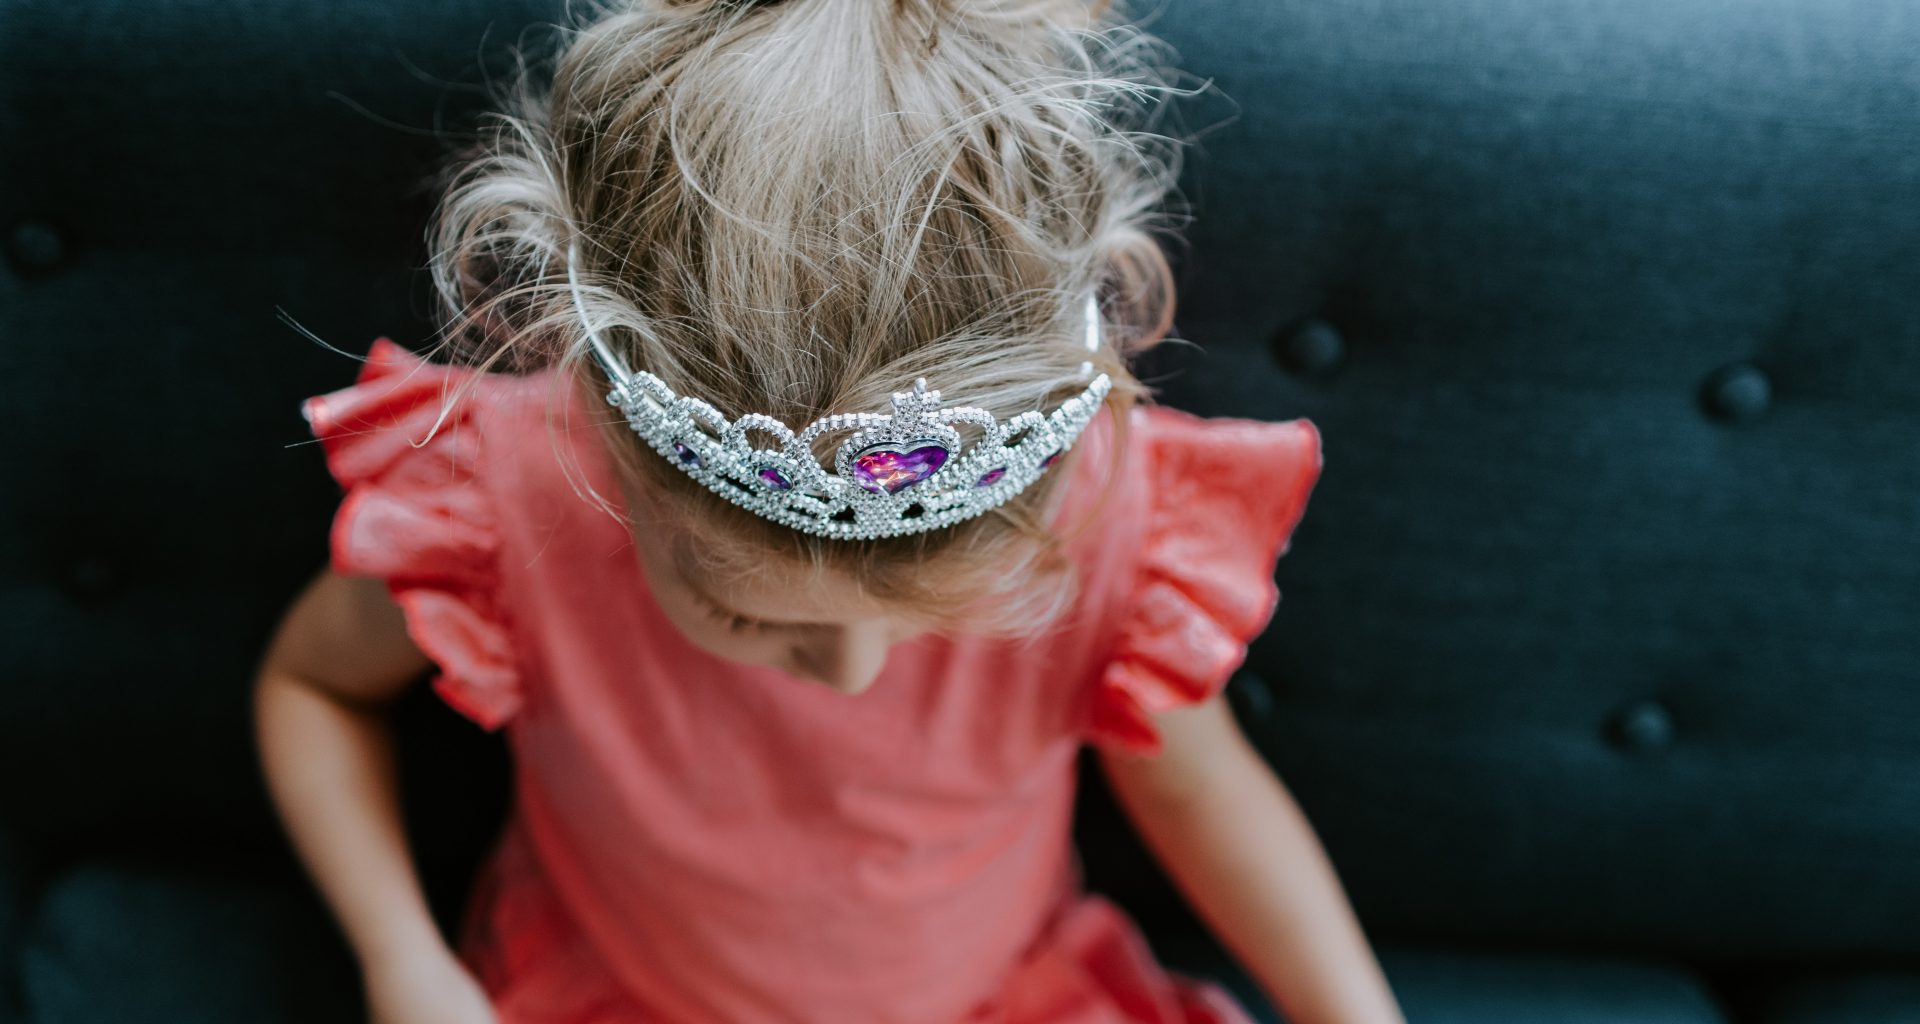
x=992, y=475
x=1048, y=461
x=774, y=479
x=888, y=470
x=686, y=454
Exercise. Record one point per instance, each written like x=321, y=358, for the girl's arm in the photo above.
x=340, y=655
x=1235, y=842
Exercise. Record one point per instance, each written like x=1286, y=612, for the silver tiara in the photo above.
x=900, y=472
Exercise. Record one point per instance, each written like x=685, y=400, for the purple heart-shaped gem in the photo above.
x=889, y=470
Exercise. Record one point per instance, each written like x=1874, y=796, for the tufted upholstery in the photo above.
x=1598, y=664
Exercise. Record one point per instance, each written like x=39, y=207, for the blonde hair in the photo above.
x=797, y=207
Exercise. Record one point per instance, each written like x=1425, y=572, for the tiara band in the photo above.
x=901, y=472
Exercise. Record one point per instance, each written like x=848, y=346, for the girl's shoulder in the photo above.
x=1207, y=507
x=399, y=395
x=414, y=446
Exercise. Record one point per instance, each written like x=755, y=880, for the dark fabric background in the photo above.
x=1596, y=666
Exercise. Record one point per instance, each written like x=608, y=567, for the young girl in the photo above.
x=795, y=515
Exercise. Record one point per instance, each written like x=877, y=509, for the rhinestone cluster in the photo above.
x=784, y=482
x=901, y=472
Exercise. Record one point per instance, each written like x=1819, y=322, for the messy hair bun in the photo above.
x=794, y=206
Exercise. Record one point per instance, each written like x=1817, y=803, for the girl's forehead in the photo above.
x=818, y=599
x=776, y=591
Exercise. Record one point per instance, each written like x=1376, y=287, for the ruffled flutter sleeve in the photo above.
x=1224, y=496
x=416, y=515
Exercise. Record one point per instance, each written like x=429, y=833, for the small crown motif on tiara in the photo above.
x=902, y=472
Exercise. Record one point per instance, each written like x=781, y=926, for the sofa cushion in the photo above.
x=132, y=942
x=1437, y=986
x=1604, y=605
x=13, y=888
x=1862, y=996
x=1471, y=987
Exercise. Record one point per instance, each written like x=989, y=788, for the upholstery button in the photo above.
x=1252, y=694
x=91, y=578
x=35, y=247
x=1737, y=391
x=1641, y=725
x=1312, y=347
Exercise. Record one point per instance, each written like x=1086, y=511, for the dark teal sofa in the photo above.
x=1598, y=660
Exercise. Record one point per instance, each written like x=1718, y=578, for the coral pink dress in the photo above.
x=695, y=841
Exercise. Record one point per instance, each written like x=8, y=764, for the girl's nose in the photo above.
x=846, y=657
